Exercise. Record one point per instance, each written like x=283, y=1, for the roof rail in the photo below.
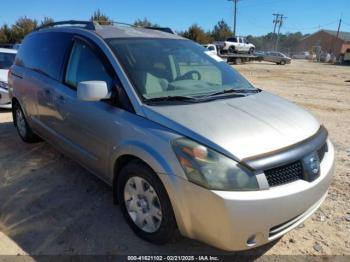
x=93, y=25
x=90, y=25
x=163, y=29
x=121, y=23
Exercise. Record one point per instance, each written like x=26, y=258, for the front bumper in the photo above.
x=5, y=101
x=242, y=220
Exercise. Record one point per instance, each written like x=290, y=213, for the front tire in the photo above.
x=251, y=50
x=282, y=62
x=23, y=129
x=145, y=203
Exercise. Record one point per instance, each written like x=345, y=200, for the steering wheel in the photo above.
x=189, y=75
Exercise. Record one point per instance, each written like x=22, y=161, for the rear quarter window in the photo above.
x=44, y=52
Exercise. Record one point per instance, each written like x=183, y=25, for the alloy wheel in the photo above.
x=20, y=123
x=142, y=204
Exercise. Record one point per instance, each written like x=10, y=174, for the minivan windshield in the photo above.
x=6, y=60
x=173, y=68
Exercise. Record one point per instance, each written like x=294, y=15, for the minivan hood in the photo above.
x=239, y=127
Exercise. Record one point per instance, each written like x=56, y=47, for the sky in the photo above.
x=254, y=17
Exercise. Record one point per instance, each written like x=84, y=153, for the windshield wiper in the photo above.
x=238, y=92
x=172, y=98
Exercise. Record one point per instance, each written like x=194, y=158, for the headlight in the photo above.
x=207, y=168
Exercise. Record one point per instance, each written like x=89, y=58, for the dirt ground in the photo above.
x=50, y=205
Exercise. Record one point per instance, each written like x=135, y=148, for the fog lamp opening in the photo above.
x=251, y=241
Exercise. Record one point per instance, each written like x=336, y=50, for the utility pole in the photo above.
x=339, y=27
x=338, y=30
x=234, y=15
x=275, y=22
x=280, y=21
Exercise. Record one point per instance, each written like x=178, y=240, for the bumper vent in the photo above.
x=291, y=172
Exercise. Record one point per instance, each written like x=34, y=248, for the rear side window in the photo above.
x=232, y=39
x=44, y=52
x=85, y=65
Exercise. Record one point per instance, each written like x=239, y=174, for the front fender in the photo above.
x=142, y=151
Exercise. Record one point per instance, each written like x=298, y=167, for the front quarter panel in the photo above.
x=149, y=142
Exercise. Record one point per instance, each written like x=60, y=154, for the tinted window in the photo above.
x=6, y=60
x=232, y=39
x=85, y=65
x=44, y=52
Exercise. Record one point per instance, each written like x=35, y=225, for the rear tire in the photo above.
x=232, y=49
x=23, y=129
x=145, y=203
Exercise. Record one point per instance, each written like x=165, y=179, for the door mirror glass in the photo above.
x=92, y=91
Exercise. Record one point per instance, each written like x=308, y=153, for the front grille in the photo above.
x=291, y=172
x=284, y=174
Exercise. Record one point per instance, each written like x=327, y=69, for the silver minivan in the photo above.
x=186, y=142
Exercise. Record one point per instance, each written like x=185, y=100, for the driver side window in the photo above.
x=85, y=65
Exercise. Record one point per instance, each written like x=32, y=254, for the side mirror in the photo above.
x=92, y=91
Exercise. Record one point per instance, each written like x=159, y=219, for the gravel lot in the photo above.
x=50, y=205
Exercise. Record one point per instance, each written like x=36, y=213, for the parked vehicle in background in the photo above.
x=151, y=113
x=325, y=57
x=16, y=46
x=231, y=58
x=212, y=48
x=259, y=55
x=7, y=57
x=301, y=55
x=10, y=46
x=345, y=58
x=236, y=44
x=276, y=57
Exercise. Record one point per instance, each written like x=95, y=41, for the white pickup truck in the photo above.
x=235, y=44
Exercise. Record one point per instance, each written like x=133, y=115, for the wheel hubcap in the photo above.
x=142, y=204
x=20, y=122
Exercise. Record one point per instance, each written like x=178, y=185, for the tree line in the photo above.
x=287, y=42
x=24, y=25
